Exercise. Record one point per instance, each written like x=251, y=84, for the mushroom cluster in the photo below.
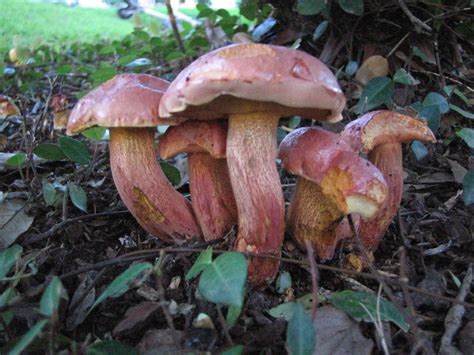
x=224, y=109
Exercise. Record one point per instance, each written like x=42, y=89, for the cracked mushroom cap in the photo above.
x=317, y=155
x=382, y=127
x=194, y=137
x=127, y=100
x=270, y=77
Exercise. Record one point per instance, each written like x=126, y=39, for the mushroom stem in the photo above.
x=314, y=216
x=251, y=154
x=211, y=191
x=388, y=159
x=145, y=190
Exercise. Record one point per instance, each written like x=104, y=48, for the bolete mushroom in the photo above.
x=380, y=135
x=128, y=105
x=333, y=181
x=253, y=85
x=211, y=192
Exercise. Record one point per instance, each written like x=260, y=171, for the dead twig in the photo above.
x=174, y=26
x=454, y=317
x=415, y=20
x=314, y=278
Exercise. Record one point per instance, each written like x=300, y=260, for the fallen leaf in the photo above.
x=458, y=171
x=79, y=312
x=13, y=221
x=136, y=318
x=162, y=340
x=372, y=67
x=8, y=107
x=336, y=333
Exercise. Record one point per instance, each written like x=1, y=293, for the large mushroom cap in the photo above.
x=194, y=137
x=321, y=157
x=272, y=77
x=383, y=127
x=127, y=100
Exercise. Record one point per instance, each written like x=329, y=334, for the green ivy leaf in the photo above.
x=236, y=350
x=75, y=150
x=310, y=7
x=203, y=260
x=357, y=304
x=320, y=29
x=300, y=336
x=50, y=299
x=353, y=7
x=27, y=338
x=94, y=133
x=8, y=258
x=419, y=149
x=16, y=160
x=378, y=91
x=107, y=347
x=223, y=281
x=433, y=99
x=404, y=77
x=468, y=188
x=172, y=173
x=8, y=315
x=49, y=151
x=285, y=310
x=233, y=314
x=50, y=195
x=462, y=112
x=283, y=282
x=351, y=68
x=467, y=134
x=78, y=196
x=432, y=115
x=121, y=283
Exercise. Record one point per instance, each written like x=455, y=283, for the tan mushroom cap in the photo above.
x=383, y=127
x=127, y=100
x=270, y=77
x=355, y=184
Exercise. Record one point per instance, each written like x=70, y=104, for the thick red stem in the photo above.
x=211, y=191
x=145, y=190
x=251, y=154
x=388, y=159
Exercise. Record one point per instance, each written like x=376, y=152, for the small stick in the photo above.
x=174, y=26
x=314, y=278
x=221, y=318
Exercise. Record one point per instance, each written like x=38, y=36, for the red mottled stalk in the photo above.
x=251, y=154
x=212, y=197
x=211, y=192
x=388, y=158
x=145, y=190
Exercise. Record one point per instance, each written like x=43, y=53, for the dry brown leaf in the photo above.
x=13, y=221
x=372, y=67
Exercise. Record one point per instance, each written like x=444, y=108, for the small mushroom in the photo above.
x=333, y=181
x=380, y=134
x=253, y=85
x=211, y=192
x=128, y=105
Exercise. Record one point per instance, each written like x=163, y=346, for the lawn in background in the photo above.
x=26, y=23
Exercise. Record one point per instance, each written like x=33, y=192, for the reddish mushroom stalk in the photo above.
x=128, y=105
x=211, y=192
x=251, y=154
x=380, y=135
x=153, y=201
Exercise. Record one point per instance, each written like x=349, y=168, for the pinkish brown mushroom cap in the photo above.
x=382, y=127
x=194, y=137
x=291, y=80
x=127, y=100
x=321, y=157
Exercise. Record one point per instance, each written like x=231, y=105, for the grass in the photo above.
x=26, y=23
